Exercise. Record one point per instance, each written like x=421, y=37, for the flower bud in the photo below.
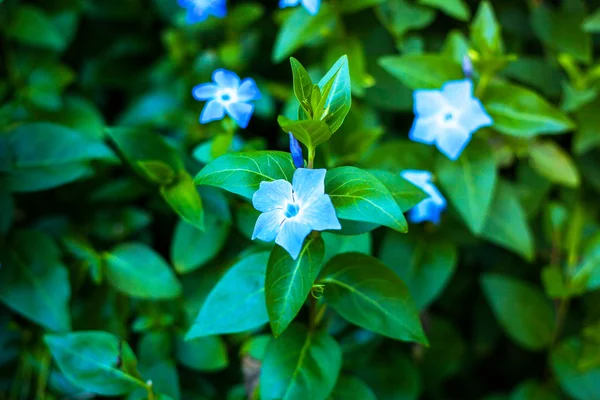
x=296, y=151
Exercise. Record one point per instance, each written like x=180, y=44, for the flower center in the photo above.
x=291, y=210
x=448, y=116
x=225, y=97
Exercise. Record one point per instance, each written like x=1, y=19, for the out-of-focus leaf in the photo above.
x=401, y=16
x=486, y=31
x=552, y=162
x=404, y=193
x=183, y=197
x=30, y=25
x=455, y=8
x=533, y=390
x=208, y=353
x=351, y=388
x=422, y=71
x=578, y=383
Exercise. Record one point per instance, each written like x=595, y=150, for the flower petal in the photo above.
x=218, y=8
x=417, y=177
x=204, y=91
x=452, y=141
x=475, y=117
x=240, y=112
x=226, y=79
x=185, y=3
x=320, y=215
x=291, y=236
x=195, y=15
x=308, y=185
x=312, y=6
x=427, y=210
x=424, y=130
x=268, y=225
x=248, y=90
x=458, y=93
x=273, y=195
x=212, y=111
x=288, y=3
x=428, y=103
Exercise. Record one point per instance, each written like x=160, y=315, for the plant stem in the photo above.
x=149, y=389
x=311, y=157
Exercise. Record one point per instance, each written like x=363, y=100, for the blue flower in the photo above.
x=296, y=152
x=431, y=208
x=448, y=117
x=227, y=94
x=291, y=211
x=312, y=6
x=199, y=10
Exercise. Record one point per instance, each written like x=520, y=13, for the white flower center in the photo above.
x=226, y=96
x=449, y=116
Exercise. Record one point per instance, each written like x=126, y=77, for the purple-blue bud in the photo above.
x=296, y=151
x=467, y=66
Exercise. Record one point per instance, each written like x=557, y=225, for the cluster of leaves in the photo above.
x=123, y=275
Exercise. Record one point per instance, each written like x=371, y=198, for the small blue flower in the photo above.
x=448, y=117
x=312, y=6
x=296, y=152
x=227, y=94
x=199, y=10
x=291, y=211
x=431, y=208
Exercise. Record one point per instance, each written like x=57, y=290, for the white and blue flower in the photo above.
x=448, y=117
x=431, y=208
x=227, y=94
x=291, y=211
x=199, y=10
x=312, y=6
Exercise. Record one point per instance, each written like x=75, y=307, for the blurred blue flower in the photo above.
x=291, y=211
x=296, y=152
x=312, y=6
x=431, y=208
x=227, y=94
x=448, y=117
x=199, y=10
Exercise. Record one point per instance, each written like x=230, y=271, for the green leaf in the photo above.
x=303, y=85
x=455, y=8
x=425, y=265
x=30, y=25
x=336, y=95
x=206, y=354
x=592, y=22
x=506, y=224
x=357, y=5
x=145, y=145
x=554, y=285
x=521, y=309
x=553, y=163
x=470, y=182
x=289, y=282
x=300, y=365
x=486, y=31
x=44, y=178
x=157, y=171
x=184, y=199
x=97, y=362
x=242, y=173
x=138, y=271
x=339, y=244
x=422, y=71
x=367, y=293
x=359, y=196
x=300, y=28
x=521, y=112
x=42, y=144
x=404, y=193
x=587, y=135
x=192, y=248
x=533, y=390
x=401, y=16
x=34, y=282
x=351, y=388
x=456, y=46
x=237, y=302
x=311, y=133
x=164, y=377
x=576, y=382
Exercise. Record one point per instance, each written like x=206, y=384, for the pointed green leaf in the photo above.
x=486, y=31
x=288, y=282
x=455, y=8
x=521, y=309
x=359, y=196
x=336, y=95
x=422, y=71
x=580, y=384
x=369, y=294
x=470, y=182
x=303, y=85
x=553, y=163
x=310, y=133
x=97, y=362
x=30, y=25
x=138, y=271
x=184, y=199
x=237, y=302
x=300, y=365
x=242, y=173
x=401, y=16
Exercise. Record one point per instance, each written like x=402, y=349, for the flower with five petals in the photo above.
x=227, y=94
x=291, y=211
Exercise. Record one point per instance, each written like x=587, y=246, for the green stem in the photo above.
x=483, y=83
x=149, y=389
x=311, y=157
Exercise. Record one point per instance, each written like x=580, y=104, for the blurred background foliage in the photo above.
x=96, y=234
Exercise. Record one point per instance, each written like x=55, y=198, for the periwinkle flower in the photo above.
x=312, y=6
x=431, y=208
x=448, y=117
x=199, y=10
x=227, y=94
x=296, y=152
x=291, y=211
